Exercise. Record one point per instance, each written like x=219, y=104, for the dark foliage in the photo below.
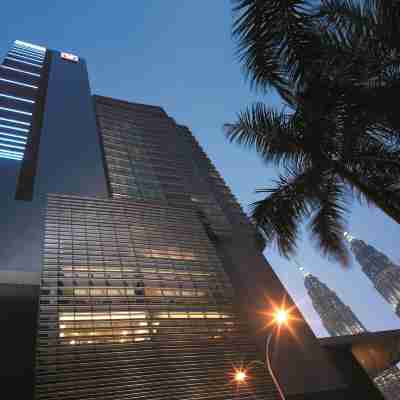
x=336, y=65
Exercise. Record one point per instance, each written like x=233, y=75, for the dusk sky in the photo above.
x=180, y=55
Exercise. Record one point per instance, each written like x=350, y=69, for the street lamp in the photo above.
x=240, y=376
x=281, y=317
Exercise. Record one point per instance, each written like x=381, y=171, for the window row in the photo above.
x=113, y=272
x=122, y=292
x=168, y=232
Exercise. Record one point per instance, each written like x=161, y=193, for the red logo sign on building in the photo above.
x=69, y=57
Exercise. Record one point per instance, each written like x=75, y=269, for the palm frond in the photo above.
x=288, y=203
x=328, y=221
x=270, y=31
x=379, y=188
x=362, y=58
x=381, y=109
x=374, y=155
x=337, y=66
x=274, y=135
x=347, y=18
x=388, y=19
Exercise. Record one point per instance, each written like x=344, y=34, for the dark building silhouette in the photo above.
x=19, y=293
x=380, y=270
x=339, y=320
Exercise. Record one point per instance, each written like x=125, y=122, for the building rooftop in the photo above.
x=14, y=277
x=375, y=351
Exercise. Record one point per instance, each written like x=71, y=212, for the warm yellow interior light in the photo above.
x=87, y=316
x=140, y=331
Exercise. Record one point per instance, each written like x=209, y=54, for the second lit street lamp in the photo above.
x=280, y=317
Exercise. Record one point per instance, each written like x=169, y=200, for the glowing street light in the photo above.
x=281, y=317
x=240, y=376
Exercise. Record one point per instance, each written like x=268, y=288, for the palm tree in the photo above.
x=337, y=69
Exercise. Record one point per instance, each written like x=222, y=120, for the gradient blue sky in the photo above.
x=179, y=54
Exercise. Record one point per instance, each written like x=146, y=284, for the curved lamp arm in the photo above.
x=269, y=367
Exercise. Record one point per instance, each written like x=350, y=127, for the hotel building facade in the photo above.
x=152, y=280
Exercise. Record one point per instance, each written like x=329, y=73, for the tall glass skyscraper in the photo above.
x=22, y=85
x=59, y=153
x=152, y=280
x=339, y=319
x=380, y=270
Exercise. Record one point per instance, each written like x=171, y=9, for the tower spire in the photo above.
x=301, y=269
x=348, y=237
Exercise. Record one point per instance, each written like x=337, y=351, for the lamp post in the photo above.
x=280, y=317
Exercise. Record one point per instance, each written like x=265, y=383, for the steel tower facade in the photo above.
x=380, y=270
x=338, y=319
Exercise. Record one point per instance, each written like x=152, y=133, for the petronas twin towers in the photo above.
x=382, y=272
x=338, y=318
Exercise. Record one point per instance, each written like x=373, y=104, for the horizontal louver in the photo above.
x=135, y=305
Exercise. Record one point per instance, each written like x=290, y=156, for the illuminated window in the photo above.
x=190, y=314
x=152, y=292
x=81, y=292
x=98, y=292
x=84, y=316
x=174, y=253
x=171, y=292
